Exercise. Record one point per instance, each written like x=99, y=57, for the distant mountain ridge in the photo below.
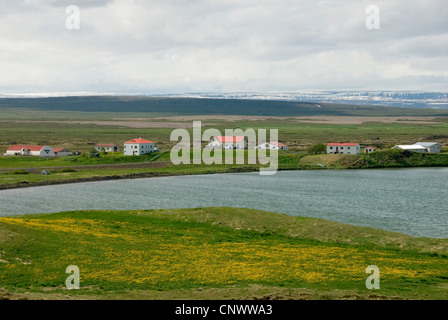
x=411, y=99
x=171, y=106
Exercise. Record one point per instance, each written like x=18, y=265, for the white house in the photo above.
x=136, y=147
x=273, y=145
x=107, y=147
x=432, y=147
x=37, y=151
x=411, y=147
x=343, y=148
x=369, y=149
x=228, y=142
x=62, y=152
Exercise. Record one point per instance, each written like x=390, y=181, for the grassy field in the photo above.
x=80, y=123
x=96, y=105
x=208, y=253
x=26, y=171
x=212, y=253
x=298, y=135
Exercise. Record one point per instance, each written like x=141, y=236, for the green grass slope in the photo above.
x=394, y=158
x=212, y=253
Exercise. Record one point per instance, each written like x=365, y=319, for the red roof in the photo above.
x=342, y=144
x=229, y=138
x=20, y=147
x=139, y=140
x=370, y=147
x=58, y=149
x=105, y=145
x=278, y=144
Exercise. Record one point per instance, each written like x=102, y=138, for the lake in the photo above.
x=412, y=201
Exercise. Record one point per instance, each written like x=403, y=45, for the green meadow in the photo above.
x=297, y=135
x=208, y=253
x=212, y=253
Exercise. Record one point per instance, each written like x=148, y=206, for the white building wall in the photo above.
x=11, y=153
x=434, y=148
x=267, y=146
x=344, y=149
x=107, y=149
x=214, y=143
x=241, y=145
x=228, y=145
x=431, y=147
x=44, y=152
x=411, y=148
x=131, y=149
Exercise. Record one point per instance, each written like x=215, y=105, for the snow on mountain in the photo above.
x=417, y=99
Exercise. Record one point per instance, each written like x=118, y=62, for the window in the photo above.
x=331, y=148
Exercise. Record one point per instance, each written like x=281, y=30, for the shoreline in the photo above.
x=27, y=184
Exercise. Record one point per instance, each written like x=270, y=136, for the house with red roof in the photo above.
x=228, y=142
x=27, y=150
x=107, y=147
x=369, y=149
x=136, y=147
x=273, y=145
x=343, y=148
x=62, y=152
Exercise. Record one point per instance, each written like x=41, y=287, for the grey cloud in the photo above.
x=221, y=45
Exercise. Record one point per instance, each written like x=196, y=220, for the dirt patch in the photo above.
x=6, y=235
x=305, y=119
x=328, y=159
x=137, y=124
x=190, y=119
x=443, y=285
x=251, y=292
x=185, y=122
x=361, y=120
x=131, y=123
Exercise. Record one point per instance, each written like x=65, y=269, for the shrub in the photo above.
x=317, y=148
x=18, y=172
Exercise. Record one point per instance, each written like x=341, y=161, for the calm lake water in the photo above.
x=412, y=201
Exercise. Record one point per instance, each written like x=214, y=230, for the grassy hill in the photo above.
x=394, y=158
x=212, y=253
x=195, y=106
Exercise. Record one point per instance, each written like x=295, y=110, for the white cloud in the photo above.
x=222, y=45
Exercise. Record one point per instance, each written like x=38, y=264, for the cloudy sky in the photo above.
x=175, y=46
